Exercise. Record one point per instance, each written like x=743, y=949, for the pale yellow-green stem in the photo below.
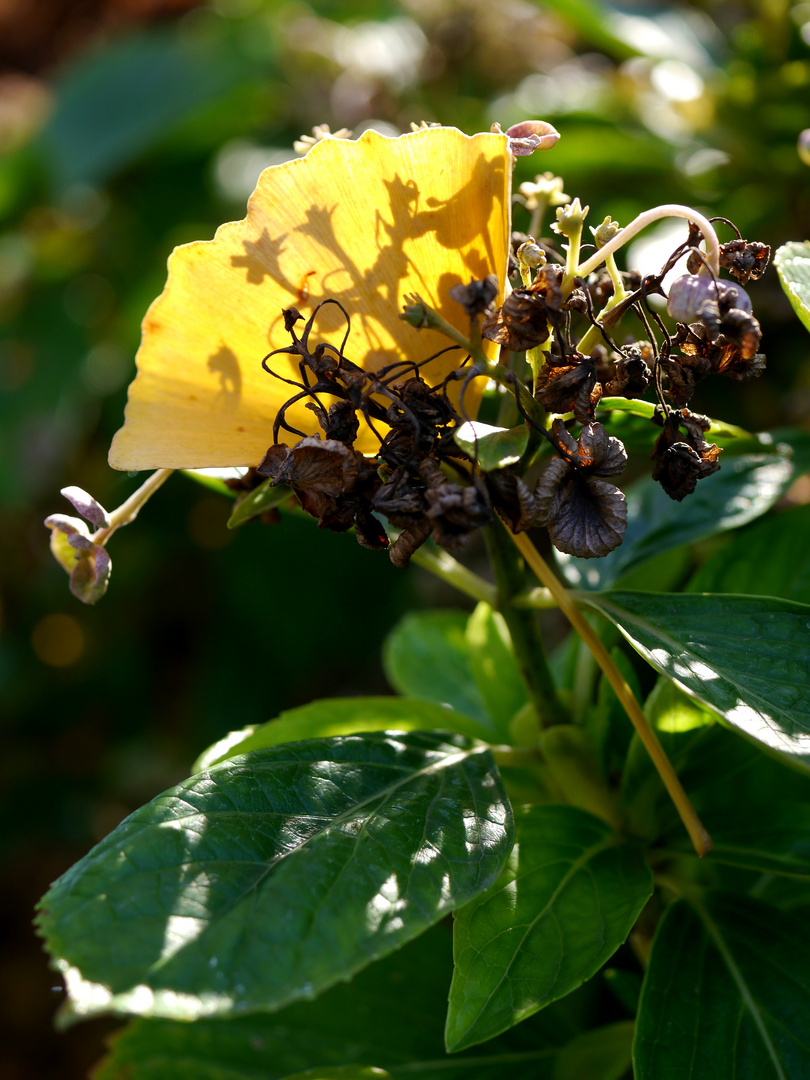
x=535, y=356
x=128, y=511
x=699, y=836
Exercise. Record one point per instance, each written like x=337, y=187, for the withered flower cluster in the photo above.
x=424, y=482
x=715, y=333
x=404, y=481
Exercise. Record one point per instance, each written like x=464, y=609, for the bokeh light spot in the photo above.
x=58, y=640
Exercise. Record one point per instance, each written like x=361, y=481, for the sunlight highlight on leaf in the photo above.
x=365, y=223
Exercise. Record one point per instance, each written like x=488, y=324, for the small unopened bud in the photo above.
x=531, y=135
x=531, y=254
x=476, y=298
x=88, y=564
x=415, y=312
x=319, y=133
x=546, y=188
x=605, y=232
x=570, y=219
x=695, y=296
x=803, y=146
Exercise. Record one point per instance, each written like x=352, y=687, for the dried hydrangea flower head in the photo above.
x=278, y=346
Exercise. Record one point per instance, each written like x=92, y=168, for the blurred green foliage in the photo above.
x=151, y=138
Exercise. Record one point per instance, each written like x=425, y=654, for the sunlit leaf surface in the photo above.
x=747, y=657
x=792, y=262
x=566, y=900
x=341, y=716
x=275, y=874
x=365, y=223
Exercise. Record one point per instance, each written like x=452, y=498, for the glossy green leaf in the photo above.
x=494, y=667
x=726, y=994
x=492, y=447
x=275, y=874
x=746, y=657
x=746, y=486
x=264, y=497
x=341, y=716
x=775, y=840
x=792, y=262
x=426, y=656
x=718, y=769
x=771, y=558
x=566, y=900
x=392, y=1014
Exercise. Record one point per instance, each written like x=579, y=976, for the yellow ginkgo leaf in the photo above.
x=366, y=223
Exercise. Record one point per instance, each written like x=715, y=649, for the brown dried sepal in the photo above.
x=567, y=384
x=333, y=483
x=723, y=355
x=681, y=454
x=455, y=511
x=527, y=315
x=512, y=498
x=477, y=297
x=746, y=260
x=586, y=516
x=340, y=422
x=631, y=375
x=701, y=355
x=402, y=502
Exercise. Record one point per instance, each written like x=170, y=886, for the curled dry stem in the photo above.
x=647, y=218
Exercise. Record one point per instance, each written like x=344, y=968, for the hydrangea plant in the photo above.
x=622, y=849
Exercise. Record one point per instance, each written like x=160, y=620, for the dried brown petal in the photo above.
x=340, y=422
x=678, y=469
x=722, y=356
x=399, y=499
x=409, y=540
x=632, y=374
x=683, y=377
x=591, y=518
x=455, y=511
x=317, y=470
x=567, y=386
x=682, y=456
x=596, y=452
x=520, y=324
x=512, y=498
x=369, y=531
x=550, y=491
x=476, y=297
x=525, y=319
x=746, y=260
x=601, y=454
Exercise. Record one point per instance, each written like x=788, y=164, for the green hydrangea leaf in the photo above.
x=273, y=875
x=568, y=897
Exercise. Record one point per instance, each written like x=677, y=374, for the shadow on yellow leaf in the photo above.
x=365, y=223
